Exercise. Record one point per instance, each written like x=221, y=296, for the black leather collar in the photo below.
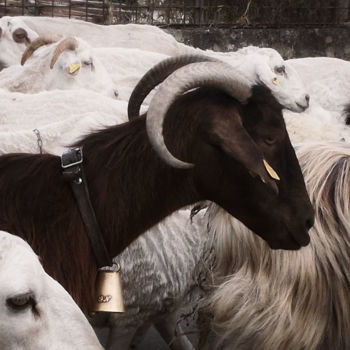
x=73, y=172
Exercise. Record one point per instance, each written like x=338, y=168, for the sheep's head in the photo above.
x=15, y=36
x=276, y=74
x=241, y=156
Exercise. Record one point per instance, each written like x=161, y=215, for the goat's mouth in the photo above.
x=290, y=241
x=301, y=107
x=3, y=65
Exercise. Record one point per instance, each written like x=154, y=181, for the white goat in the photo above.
x=15, y=36
x=290, y=300
x=259, y=65
x=67, y=64
x=36, y=312
x=266, y=66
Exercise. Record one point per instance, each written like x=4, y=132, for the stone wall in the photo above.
x=291, y=43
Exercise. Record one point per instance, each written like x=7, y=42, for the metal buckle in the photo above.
x=72, y=157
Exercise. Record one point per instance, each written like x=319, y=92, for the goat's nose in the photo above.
x=307, y=98
x=116, y=93
x=310, y=222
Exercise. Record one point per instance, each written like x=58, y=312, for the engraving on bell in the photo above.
x=104, y=298
x=109, y=295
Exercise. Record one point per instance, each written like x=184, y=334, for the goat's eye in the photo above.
x=280, y=70
x=270, y=140
x=21, y=301
x=87, y=63
x=19, y=35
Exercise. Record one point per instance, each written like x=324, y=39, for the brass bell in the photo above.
x=109, y=294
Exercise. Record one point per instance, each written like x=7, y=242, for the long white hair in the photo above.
x=290, y=300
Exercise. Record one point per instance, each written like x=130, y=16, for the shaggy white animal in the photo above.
x=289, y=300
x=67, y=64
x=15, y=36
x=167, y=264
x=36, y=312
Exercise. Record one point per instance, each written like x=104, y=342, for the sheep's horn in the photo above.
x=66, y=44
x=35, y=44
x=156, y=75
x=212, y=74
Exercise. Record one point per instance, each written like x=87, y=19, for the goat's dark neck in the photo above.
x=131, y=189
x=130, y=186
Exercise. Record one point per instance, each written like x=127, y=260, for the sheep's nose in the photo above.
x=116, y=93
x=307, y=98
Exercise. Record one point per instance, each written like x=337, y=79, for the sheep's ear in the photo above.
x=0, y=32
x=235, y=142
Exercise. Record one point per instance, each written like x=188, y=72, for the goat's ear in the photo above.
x=0, y=32
x=267, y=76
x=235, y=142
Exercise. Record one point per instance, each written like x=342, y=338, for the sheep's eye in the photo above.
x=270, y=140
x=280, y=70
x=21, y=301
x=87, y=63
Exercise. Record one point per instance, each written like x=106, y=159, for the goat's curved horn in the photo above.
x=66, y=44
x=212, y=74
x=35, y=44
x=156, y=75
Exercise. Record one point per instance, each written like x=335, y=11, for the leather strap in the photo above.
x=73, y=171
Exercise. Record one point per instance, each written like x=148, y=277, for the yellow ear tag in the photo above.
x=73, y=68
x=270, y=170
x=275, y=81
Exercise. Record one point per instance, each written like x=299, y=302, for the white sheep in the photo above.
x=263, y=65
x=61, y=116
x=144, y=37
x=36, y=312
x=328, y=81
x=15, y=36
x=67, y=64
x=149, y=38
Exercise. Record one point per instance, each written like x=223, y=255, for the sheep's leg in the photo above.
x=166, y=328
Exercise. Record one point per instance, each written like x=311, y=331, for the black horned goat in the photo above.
x=224, y=134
